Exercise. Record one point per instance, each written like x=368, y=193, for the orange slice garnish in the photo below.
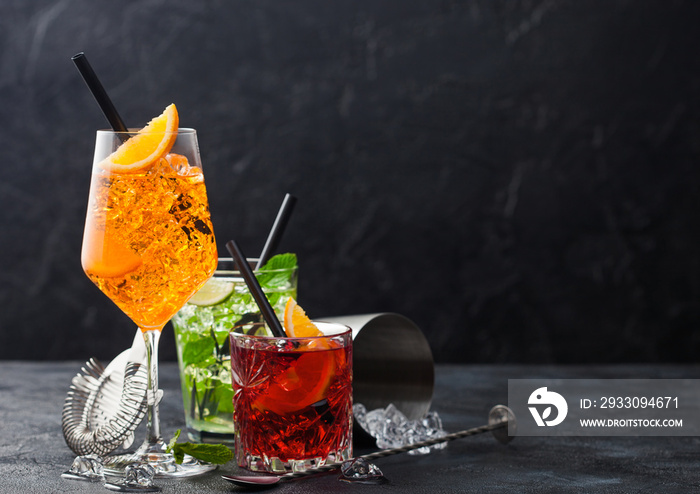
x=296, y=323
x=105, y=257
x=303, y=383
x=145, y=148
x=307, y=378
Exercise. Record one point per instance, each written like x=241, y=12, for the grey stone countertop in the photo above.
x=33, y=453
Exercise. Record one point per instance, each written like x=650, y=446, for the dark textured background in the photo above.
x=518, y=177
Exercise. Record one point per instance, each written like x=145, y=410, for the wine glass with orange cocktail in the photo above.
x=149, y=245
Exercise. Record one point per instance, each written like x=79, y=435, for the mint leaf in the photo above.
x=217, y=454
x=197, y=350
x=172, y=442
x=269, y=275
x=224, y=395
x=174, y=439
x=178, y=454
x=280, y=261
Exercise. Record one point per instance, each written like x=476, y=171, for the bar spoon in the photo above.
x=501, y=419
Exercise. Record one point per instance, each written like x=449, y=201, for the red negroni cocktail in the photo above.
x=292, y=399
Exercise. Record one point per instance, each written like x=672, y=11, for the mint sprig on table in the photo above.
x=217, y=454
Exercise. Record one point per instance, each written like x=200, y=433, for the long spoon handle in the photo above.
x=499, y=418
x=430, y=442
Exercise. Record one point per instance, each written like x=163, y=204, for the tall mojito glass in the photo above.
x=202, y=329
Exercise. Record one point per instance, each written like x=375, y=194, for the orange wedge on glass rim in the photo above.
x=296, y=323
x=148, y=146
x=307, y=380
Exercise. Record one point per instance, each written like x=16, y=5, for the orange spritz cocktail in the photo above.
x=149, y=245
x=149, y=242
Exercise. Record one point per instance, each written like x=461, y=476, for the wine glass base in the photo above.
x=163, y=463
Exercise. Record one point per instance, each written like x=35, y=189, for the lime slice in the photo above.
x=213, y=292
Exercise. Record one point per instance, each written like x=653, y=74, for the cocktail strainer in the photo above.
x=105, y=405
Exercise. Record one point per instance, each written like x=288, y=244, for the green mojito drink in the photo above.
x=201, y=336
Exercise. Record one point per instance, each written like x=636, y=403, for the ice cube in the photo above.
x=360, y=413
x=394, y=415
x=361, y=471
x=139, y=475
x=87, y=467
x=177, y=163
x=432, y=421
x=394, y=435
x=375, y=422
x=390, y=427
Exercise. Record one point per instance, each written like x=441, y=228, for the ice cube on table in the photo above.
x=87, y=467
x=361, y=471
x=139, y=475
x=390, y=427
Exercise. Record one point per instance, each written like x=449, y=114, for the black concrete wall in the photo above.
x=518, y=177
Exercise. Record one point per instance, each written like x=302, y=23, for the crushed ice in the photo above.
x=390, y=427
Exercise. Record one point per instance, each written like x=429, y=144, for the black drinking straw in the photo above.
x=273, y=239
x=98, y=92
x=255, y=289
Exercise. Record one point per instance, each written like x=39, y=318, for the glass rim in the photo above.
x=134, y=131
x=252, y=261
x=347, y=331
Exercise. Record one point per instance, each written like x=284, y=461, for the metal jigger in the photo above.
x=392, y=364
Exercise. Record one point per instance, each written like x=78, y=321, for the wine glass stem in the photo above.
x=153, y=440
